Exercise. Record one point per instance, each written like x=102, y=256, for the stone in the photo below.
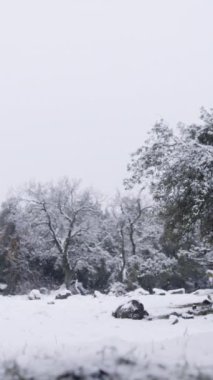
x=173, y=319
x=34, y=295
x=131, y=310
x=63, y=295
x=187, y=315
x=207, y=302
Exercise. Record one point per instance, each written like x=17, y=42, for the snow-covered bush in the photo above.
x=150, y=272
x=177, y=166
x=34, y=295
x=117, y=289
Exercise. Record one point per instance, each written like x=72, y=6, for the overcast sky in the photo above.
x=81, y=82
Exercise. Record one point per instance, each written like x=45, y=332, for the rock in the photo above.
x=177, y=291
x=159, y=292
x=81, y=374
x=173, y=319
x=44, y=291
x=199, y=312
x=51, y=303
x=207, y=301
x=63, y=295
x=34, y=295
x=187, y=315
x=131, y=310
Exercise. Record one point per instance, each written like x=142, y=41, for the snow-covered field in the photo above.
x=49, y=339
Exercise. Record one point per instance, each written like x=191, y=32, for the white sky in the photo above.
x=81, y=81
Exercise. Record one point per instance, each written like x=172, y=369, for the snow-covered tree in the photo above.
x=59, y=220
x=178, y=168
x=135, y=222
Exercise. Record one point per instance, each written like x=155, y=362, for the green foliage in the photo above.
x=178, y=169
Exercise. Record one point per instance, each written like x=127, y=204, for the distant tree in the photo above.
x=178, y=169
x=130, y=218
x=57, y=220
x=13, y=262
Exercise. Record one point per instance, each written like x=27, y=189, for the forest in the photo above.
x=157, y=232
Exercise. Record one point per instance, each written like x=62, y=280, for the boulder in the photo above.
x=187, y=315
x=131, y=310
x=63, y=294
x=34, y=295
x=207, y=301
x=173, y=319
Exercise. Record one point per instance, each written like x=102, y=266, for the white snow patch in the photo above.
x=34, y=295
x=137, y=293
x=159, y=292
x=3, y=286
x=203, y=292
x=80, y=331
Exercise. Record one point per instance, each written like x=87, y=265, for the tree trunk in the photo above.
x=131, y=235
x=68, y=273
x=123, y=253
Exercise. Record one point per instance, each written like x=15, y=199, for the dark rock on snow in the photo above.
x=207, y=302
x=63, y=295
x=80, y=374
x=187, y=315
x=131, y=310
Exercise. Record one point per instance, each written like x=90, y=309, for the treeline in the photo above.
x=58, y=233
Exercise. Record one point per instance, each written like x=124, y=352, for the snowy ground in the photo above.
x=49, y=339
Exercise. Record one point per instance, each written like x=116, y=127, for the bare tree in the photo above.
x=128, y=213
x=55, y=217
